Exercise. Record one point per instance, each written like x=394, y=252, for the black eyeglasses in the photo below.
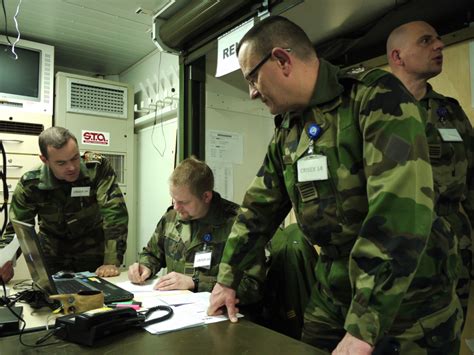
x=252, y=75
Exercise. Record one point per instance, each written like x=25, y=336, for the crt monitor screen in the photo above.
x=21, y=76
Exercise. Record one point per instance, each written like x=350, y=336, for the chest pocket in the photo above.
x=448, y=159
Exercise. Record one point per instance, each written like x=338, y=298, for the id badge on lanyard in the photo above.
x=312, y=166
x=203, y=257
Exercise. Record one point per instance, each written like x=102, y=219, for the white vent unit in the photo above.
x=118, y=164
x=93, y=98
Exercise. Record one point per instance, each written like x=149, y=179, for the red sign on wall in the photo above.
x=96, y=138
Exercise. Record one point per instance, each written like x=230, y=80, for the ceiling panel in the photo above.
x=103, y=37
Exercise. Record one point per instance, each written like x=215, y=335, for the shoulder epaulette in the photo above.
x=92, y=158
x=366, y=76
x=31, y=175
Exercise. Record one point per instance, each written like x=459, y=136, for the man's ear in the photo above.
x=395, y=57
x=43, y=159
x=283, y=57
x=207, y=196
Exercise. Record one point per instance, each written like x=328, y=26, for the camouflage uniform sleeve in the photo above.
x=397, y=226
x=250, y=289
x=114, y=212
x=265, y=205
x=22, y=207
x=468, y=202
x=153, y=254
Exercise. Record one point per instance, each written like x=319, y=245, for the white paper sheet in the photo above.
x=8, y=253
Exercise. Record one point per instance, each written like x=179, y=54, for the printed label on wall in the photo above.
x=96, y=138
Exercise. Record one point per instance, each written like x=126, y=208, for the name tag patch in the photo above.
x=312, y=168
x=81, y=191
x=450, y=135
x=203, y=259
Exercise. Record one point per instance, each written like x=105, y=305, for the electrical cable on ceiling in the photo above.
x=17, y=29
x=161, y=117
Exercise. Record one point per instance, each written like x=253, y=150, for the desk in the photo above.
x=243, y=337
x=227, y=338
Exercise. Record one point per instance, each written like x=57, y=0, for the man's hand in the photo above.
x=6, y=271
x=223, y=296
x=107, y=271
x=138, y=273
x=174, y=281
x=350, y=345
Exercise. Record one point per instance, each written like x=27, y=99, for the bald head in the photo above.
x=414, y=49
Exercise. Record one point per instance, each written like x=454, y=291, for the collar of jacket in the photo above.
x=431, y=94
x=47, y=180
x=327, y=89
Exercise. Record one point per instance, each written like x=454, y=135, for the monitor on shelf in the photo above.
x=26, y=83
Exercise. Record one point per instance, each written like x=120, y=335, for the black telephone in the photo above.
x=89, y=327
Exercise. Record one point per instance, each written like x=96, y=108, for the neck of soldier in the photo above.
x=417, y=85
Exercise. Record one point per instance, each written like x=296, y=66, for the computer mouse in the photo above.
x=63, y=274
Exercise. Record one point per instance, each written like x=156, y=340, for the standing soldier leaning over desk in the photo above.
x=189, y=239
x=83, y=220
x=414, y=52
x=350, y=155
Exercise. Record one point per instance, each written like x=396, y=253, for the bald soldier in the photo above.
x=415, y=55
x=350, y=156
x=83, y=220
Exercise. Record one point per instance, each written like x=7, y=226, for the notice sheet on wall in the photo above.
x=224, y=147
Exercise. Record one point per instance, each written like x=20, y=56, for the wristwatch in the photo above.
x=196, y=283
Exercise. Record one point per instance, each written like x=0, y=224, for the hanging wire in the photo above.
x=161, y=118
x=17, y=29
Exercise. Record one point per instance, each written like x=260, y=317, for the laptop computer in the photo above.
x=30, y=246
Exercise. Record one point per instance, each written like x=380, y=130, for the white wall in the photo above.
x=153, y=78
x=229, y=108
x=156, y=152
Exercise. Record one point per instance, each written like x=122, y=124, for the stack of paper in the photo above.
x=190, y=309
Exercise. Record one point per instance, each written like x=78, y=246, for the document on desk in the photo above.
x=147, y=286
x=185, y=315
x=8, y=253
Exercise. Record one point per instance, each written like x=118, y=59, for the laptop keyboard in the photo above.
x=70, y=286
x=111, y=292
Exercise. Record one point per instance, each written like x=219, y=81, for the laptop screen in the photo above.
x=30, y=246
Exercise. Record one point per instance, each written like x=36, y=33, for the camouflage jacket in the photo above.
x=453, y=168
x=380, y=178
x=97, y=223
x=175, y=242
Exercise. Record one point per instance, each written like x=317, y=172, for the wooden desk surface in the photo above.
x=244, y=337
x=227, y=338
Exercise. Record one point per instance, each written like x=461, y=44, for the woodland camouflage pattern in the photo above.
x=78, y=233
x=453, y=171
x=372, y=217
x=175, y=242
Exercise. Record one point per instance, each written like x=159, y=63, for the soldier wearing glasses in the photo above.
x=350, y=156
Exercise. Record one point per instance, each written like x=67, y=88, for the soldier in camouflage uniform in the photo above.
x=196, y=229
x=350, y=156
x=83, y=220
x=414, y=53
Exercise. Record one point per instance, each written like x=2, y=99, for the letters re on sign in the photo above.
x=227, y=48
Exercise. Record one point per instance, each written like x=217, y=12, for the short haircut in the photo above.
x=277, y=31
x=194, y=174
x=55, y=137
